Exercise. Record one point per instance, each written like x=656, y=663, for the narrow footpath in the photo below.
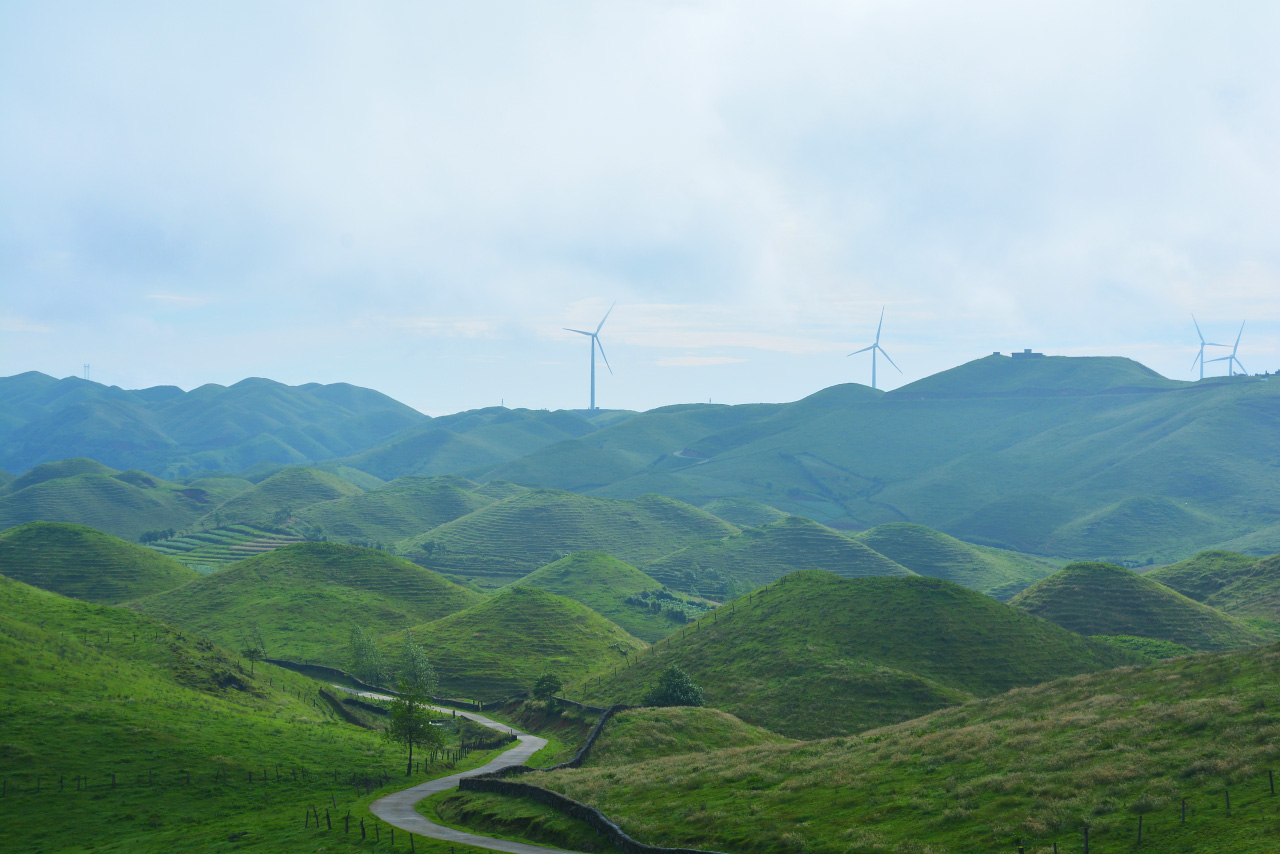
x=398, y=809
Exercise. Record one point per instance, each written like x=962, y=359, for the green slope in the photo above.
x=1031, y=768
x=304, y=600
x=58, y=470
x=509, y=539
x=1123, y=528
x=760, y=555
x=1237, y=585
x=744, y=512
x=816, y=655
x=277, y=499
x=603, y=583
x=638, y=735
x=86, y=564
x=1001, y=375
x=925, y=551
x=208, y=550
x=1203, y=575
x=500, y=646
x=1100, y=599
x=402, y=508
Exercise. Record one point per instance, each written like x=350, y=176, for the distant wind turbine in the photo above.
x=1231, y=360
x=595, y=342
x=1203, y=343
x=874, y=348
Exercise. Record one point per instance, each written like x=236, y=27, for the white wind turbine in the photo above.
x=1203, y=343
x=1231, y=360
x=595, y=342
x=874, y=348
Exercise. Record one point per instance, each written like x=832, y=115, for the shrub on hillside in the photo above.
x=674, y=688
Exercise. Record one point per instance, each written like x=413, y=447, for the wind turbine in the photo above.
x=595, y=342
x=1203, y=343
x=1231, y=360
x=874, y=348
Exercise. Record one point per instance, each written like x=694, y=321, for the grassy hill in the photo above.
x=277, y=499
x=400, y=509
x=744, y=512
x=1028, y=768
x=501, y=645
x=609, y=587
x=756, y=556
x=1239, y=585
x=816, y=655
x=144, y=739
x=85, y=564
x=209, y=550
x=642, y=734
x=509, y=539
x=1100, y=599
x=304, y=600
x=925, y=551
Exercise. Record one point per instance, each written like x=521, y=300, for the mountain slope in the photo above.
x=744, y=512
x=402, y=508
x=1099, y=599
x=1238, y=585
x=604, y=584
x=86, y=564
x=278, y=498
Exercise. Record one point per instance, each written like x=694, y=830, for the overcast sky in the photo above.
x=417, y=197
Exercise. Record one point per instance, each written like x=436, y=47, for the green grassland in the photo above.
x=402, y=508
x=305, y=599
x=816, y=655
x=1203, y=575
x=755, y=556
x=142, y=738
x=1244, y=587
x=1100, y=599
x=501, y=645
x=1029, y=767
x=744, y=512
x=603, y=583
x=86, y=564
x=509, y=539
x=638, y=735
x=924, y=551
x=518, y=819
x=209, y=550
x=278, y=498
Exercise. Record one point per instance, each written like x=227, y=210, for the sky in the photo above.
x=418, y=197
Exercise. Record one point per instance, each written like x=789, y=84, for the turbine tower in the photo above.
x=874, y=348
x=595, y=342
x=1203, y=343
x=1231, y=360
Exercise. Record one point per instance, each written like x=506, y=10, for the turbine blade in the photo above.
x=596, y=338
x=1241, y=365
x=1197, y=325
x=1220, y=359
x=1198, y=357
x=603, y=319
x=1233, y=349
x=881, y=324
x=579, y=331
x=886, y=355
x=863, y=350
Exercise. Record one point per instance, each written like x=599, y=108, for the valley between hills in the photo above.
x=1012, y=604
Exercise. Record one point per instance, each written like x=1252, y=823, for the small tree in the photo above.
x=409, y=722
x=547, y=686
x=674, y=688
x=367, y=661
x=413, y=666
x=252, y=654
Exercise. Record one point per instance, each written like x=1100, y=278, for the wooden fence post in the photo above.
x=1227, y=792
x=1139, y=828
x=1184, y=810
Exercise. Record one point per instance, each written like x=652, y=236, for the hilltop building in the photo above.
x=1027, y=354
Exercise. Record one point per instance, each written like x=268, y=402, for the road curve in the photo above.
x=397, y=809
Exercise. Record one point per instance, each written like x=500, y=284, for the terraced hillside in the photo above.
x=1099, y=599
x=924, y=551
x=613, y=589
x=303, y=600
x=509, y=539
x=1244, y=587
x=208, y=550
x=402, y=508
x=501, y=645
x=85, y=564
x=276, y=500
x=724, y=568
x=744, y=512
x=815, y=655
x=1110, y=749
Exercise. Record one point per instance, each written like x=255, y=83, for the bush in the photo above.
x=674, y=688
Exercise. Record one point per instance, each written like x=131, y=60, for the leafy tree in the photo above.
x=367, y=661
x=547, y=686
x=252, y=654
x=413, y=666
x=409, y=722
x=674, y=688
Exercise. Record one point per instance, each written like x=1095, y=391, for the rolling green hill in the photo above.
x=925, y=551
x=756, y=556
x=638, y=735
x=744, y=512
x=305, y=599
x=1201, y=576
x=277, y=499
x=603, y=583
x=1030, y=768
x=816, y=655
x=1238, y=585
x=85, y=564
x=509, y=539
x=209, y=550
x=501, y=645
x=1099, y=599
x=402, y=508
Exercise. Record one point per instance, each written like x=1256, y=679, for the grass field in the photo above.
x=1240, y=585
x=816, y=655
x=402, y=508
x=304, y=600
x=1099, y=599
x=639, y=735
x=276, y=500
x=208, y=550
x=86, y=564
x=744, y=512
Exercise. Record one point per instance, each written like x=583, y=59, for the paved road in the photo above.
x=398, y=809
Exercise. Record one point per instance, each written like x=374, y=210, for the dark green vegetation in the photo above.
x=402, y=508
x=1100, y=599
x=303, y=600
x=1242, y=586
x=86, y=564
x=642, y=734
x=924, y=551
x=501, y=645
x=1149, y=648
x=744, y=512
x=521, y=819
x=278, y=498
x=1035, y=765
x=816, y=655
x=727, y=567
x=207, y=550
x=508, y=539
x=141, y=738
